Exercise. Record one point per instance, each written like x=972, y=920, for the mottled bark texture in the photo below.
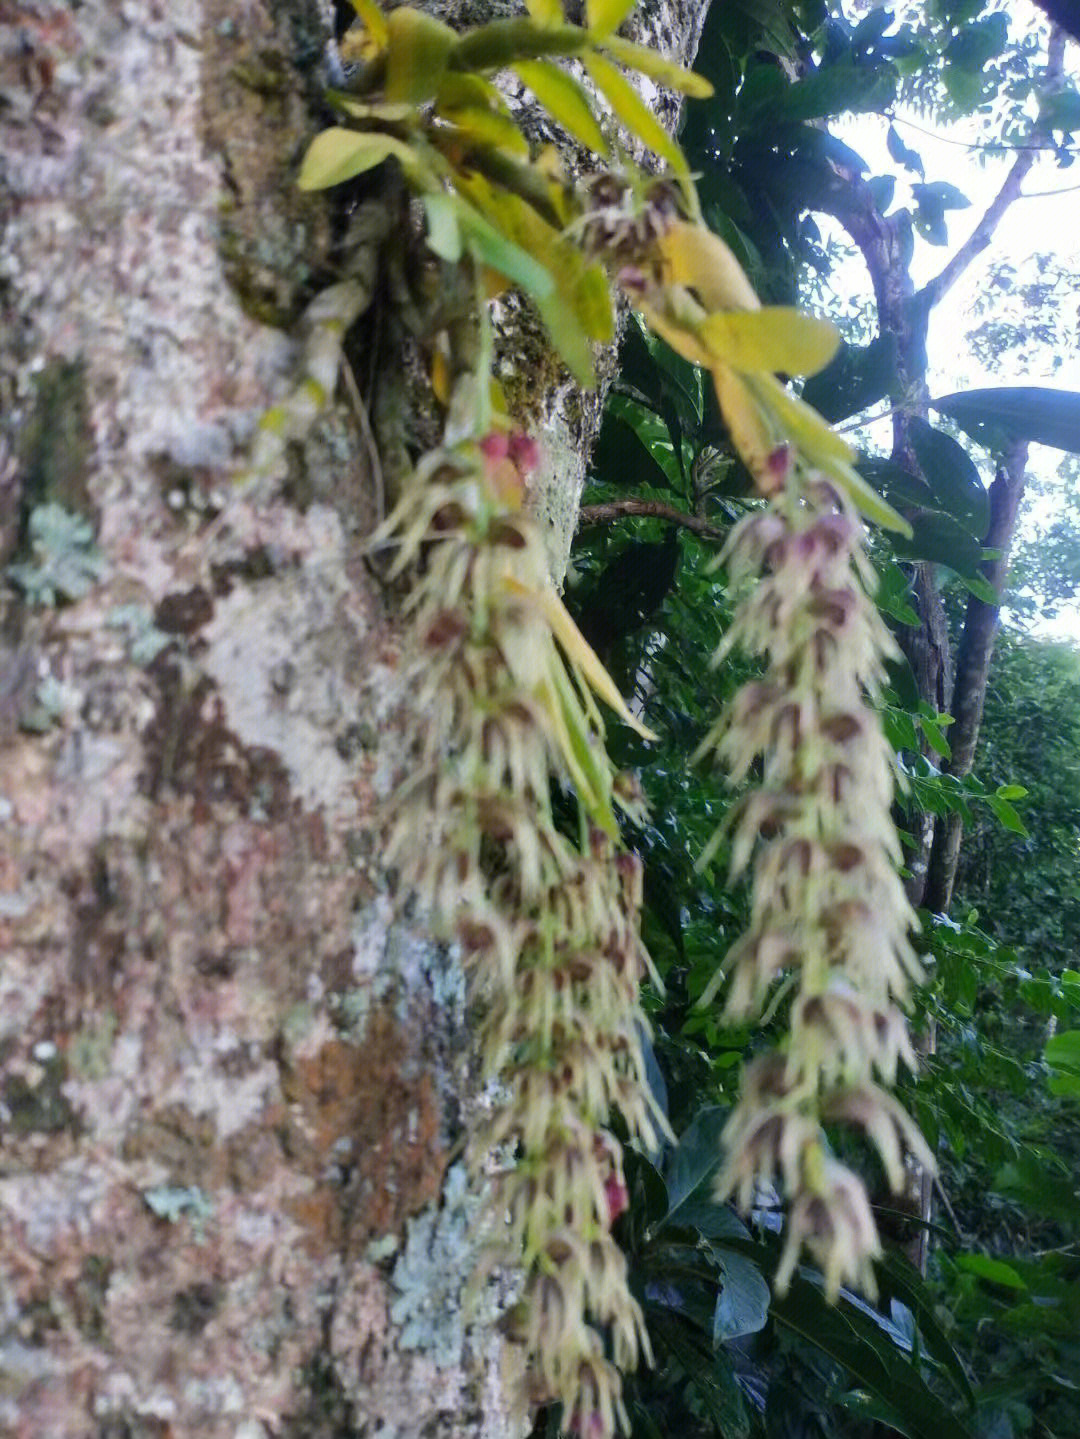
x=230, y=1085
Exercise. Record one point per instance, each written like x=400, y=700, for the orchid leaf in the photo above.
x=565, y=101
x=775, y=338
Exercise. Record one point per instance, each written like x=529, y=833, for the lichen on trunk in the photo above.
x=231, y=1083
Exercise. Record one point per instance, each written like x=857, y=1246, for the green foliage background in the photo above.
x=986, y=1345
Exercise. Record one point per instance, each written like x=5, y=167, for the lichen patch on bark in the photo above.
x=229, y=1083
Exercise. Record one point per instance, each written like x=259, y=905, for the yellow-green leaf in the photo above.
x=652, y=63
x=604, y=16
x=396, y=114
x=582, y=656
x=546, y=12
x=444, y=232
x=683, y=338
x=374, y=20
x=592, y=301
x=632, y=111
x=747, y=424
x=528, y=181
x=488, y=128
x=800, y=422
x=339, y=154
x=493, y=248
x=865, y=498
x=504, y=42
x=577, y=743
x=418, y=48
x=692, y=255
x=824, y=448
x=457, y=89
x=564, y=100
x=774, y=338
x=570, y=310
x=568, y=337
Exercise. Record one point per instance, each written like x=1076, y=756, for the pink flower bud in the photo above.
x=618, y=1199
x=525, y=453
x=495, y=447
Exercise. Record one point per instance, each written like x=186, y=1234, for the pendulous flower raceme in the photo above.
x=828, y=909
x=504, y=684
x=548, y=927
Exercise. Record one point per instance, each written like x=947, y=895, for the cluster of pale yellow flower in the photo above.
x=828, y=907
x=503, y=684
x=548, y=928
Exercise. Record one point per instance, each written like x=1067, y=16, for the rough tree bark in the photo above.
x=230, y=1084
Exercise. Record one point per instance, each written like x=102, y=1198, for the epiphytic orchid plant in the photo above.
x=506, y=687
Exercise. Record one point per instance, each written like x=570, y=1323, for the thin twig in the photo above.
x=650, y=509
x=992, y=147
x=983, y=232
x=948, y=1207
x=1048, y=194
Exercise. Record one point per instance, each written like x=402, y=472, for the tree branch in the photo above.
x=1065, y=13
x=652, y=509
x=983, y=232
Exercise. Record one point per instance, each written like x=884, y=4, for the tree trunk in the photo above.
x=973, y=666
x=230, y=1083
x=906, y=313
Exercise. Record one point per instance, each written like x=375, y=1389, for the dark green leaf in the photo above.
x=1030, y=1181
x=894, y=594
x=882, y=189
x=676, y=374
x=1006, y=815
x=900, y=1279
x=939, y=539
x=965, y=87
x=653, y=433
x=940, y=195
x=743, y=1304
x=981, y=588
x=901, y=488
x=709, y=1373
x=854, y=379
x=648, y=1194
x=1022, y=412
x=1065, y=1086
x=910, y=159
x=931, y=226
x=836, y=90
x=935, y=737
x=1060, y=110
x=695, y=1160
x=953, y=477
x=976, y=44
x=996, y=1271
x=900, y=730
x=715, y=1222
x=854, y=1340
